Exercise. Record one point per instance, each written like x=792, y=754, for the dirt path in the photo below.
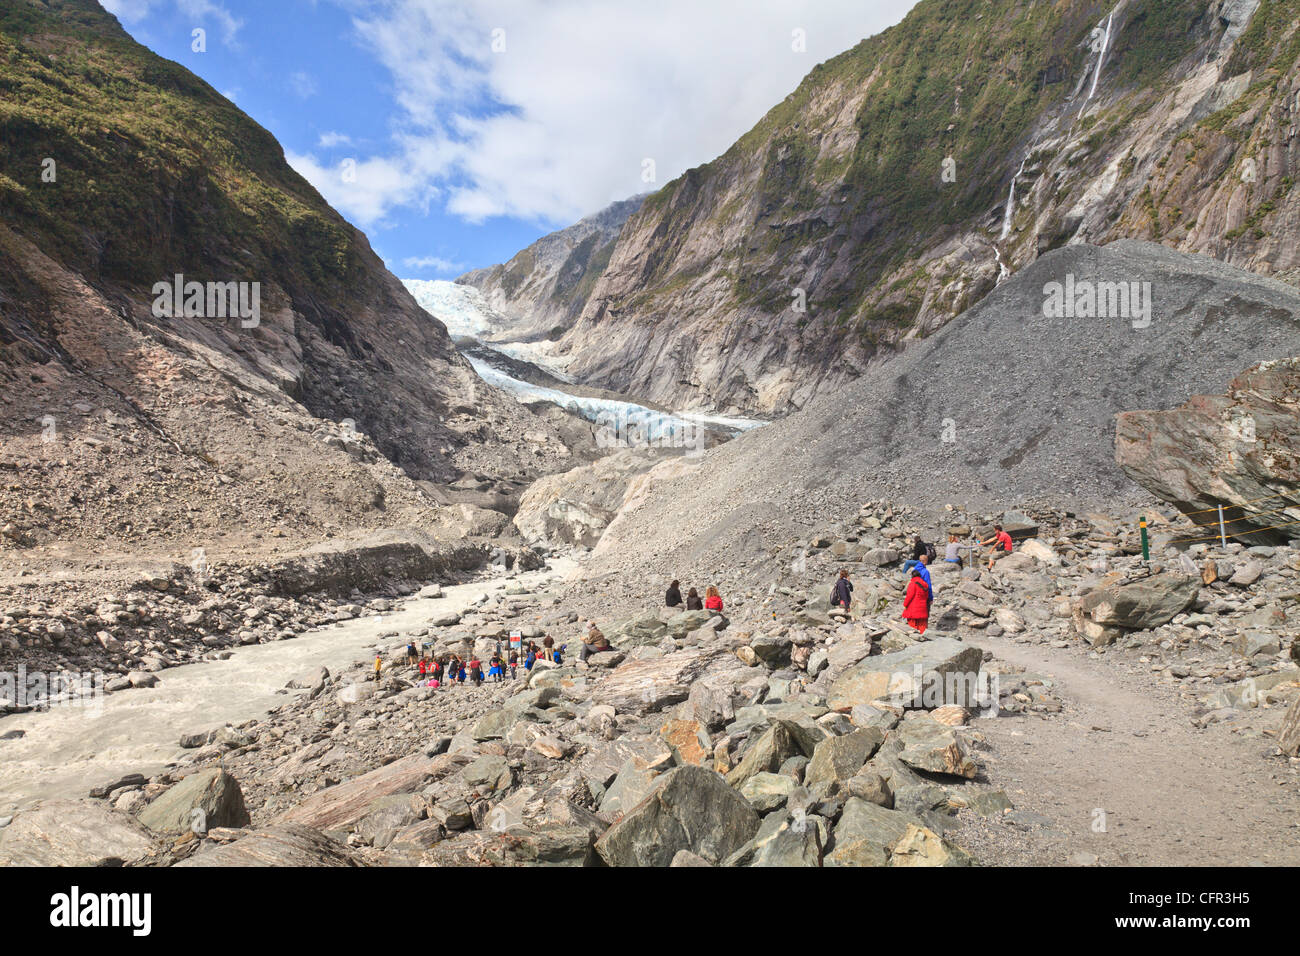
x=68, y=750
x=1172, y=795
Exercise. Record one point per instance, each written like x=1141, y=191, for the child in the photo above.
x=557, y=656
x=379, y=663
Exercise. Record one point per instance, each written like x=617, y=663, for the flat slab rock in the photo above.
x=277, y=845
x=74, y=833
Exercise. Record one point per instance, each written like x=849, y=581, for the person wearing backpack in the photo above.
x=842, y=592
x=916, y=603
x=920, y=549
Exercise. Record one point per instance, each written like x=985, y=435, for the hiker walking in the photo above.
x=379, y=665
x=842, y=592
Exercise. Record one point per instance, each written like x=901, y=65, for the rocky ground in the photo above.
x=1133, y=707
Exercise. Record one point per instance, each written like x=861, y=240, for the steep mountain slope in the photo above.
x=122, y=170
x=544, y=288
x=903, y=179
x=1010, y=405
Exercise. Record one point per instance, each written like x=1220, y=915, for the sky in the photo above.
x=455, y=134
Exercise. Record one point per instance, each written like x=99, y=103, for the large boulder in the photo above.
x=928, y=674
x=74, y=833
x=1288, y=737
x=646, y=686
x=1235, y=450
x=1145, y=602
x=693, y=809
x=866, y=833
x=840, y=758
x=280, y=845
x=930, y=746
x=203, y=800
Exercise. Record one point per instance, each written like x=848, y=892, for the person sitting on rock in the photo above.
x=916, y=603
x=674, y=596
x=952, y=554
x=712, y=599
x=1001, y=542
x=595, y=642
x=842, y=593
x=693, y=602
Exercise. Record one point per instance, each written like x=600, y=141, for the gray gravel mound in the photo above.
x=1001, y=408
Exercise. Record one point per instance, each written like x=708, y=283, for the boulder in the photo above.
x=692, y=809
x=645, y=686
x=920, y=846
x=347, y=802
x=205, y=799
x=1288, y=736
x=768, y=791
x=1223, y=450
x=1143, y=603
x=928, y=674
x=287, y=845
x=929, y=745
x=74, y=833
x=766, y=754
x=865, y=834
x=841, y=758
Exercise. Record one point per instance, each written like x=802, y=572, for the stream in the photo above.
x=67, y=750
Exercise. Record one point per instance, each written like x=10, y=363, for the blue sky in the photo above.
x=455, y=134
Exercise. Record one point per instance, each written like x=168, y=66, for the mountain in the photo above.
x=1012, y=405
x=129, y=421
x=544, y=288
x=903, y=179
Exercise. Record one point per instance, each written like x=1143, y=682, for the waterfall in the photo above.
x=1011, y=200
x=1101, y=55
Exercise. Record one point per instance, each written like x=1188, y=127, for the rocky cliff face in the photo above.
x=905, y=178
x=545, y=287
x=128, y=420
x=1240, y=450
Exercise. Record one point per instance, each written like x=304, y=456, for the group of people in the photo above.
x=443, y=671
x=712, y=600
x=920, y=588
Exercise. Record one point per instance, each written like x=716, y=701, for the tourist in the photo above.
x=713, y=600
x=693, y=602
x=595, y=642
x=379, y=663
x=495, y=670
x=476, y=672
x=952, y=554
x=410, y=653
x=842, y=593
x=514, y=665
x=1001, y=542
x=674, y=596
x=548, y=645
x=916, y=603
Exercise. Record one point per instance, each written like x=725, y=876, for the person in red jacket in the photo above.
x=712, y=599
x=916, y=603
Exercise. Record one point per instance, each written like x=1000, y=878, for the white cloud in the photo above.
x=436, y=263
x=202, y=11
x=331, y=139
x=303, y=84
x=558, y=124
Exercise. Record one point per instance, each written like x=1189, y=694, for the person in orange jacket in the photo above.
x=916, y=603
